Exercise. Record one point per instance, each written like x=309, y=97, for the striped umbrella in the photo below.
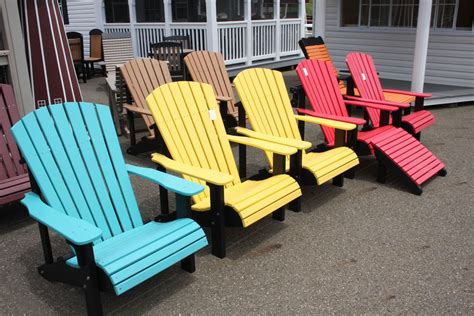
x=49, y=58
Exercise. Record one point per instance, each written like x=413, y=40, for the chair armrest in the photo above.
x=167, y=181
x=414, y=94
x=263, y=145
x=345, y=119
x=379, y=102
x=136, y=109
x=298, y=144
x=75, y=230
x=377, y=106
x=223, y=98
x=210, y=176
x=326, y=122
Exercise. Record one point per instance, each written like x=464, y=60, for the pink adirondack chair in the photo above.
x=394, y=148
x=14, y=180
x=367, y=81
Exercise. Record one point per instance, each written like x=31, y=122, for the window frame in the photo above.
x=396, y=29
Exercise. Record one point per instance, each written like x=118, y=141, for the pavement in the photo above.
x=366, y=248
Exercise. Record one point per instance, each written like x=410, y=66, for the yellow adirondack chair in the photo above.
x=187, y=116
x=264, y=98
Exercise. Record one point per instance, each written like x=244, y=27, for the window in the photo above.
x=189, y=10
x=262, y=9
x=116, y=11
x=289, y=9
x=404, y=13
x=150, y=11
x=230, y=10
x=63, y=10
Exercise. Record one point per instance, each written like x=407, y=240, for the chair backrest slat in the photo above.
x=170, y=52
x=10, y=165
x=322, y=90
x=367, y=81
x=118, y=49
x=76, y=44
x=95, y=38
x=76, y=160
x=209, y=67
x=315, y=48
x=183, y=39
x=187, y=115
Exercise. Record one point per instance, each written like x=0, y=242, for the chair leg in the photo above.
x=350, y=174
x=217, y=221
x=443, y=173
x=381, y=172
x=338, y=181
x=295, y=205
x=93, y=302
x=86, y=260
x=418, y=136
x=279, y=214
x=189, y=264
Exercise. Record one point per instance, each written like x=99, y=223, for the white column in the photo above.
x=276, y=10
x=302, y=6
x=212, y=35
x=421, y=45
x=168, y=16
x=133, y=21
x=100, y=14
x=249, y=42
x=319, y=18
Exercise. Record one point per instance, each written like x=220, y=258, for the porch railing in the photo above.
x=270, y=39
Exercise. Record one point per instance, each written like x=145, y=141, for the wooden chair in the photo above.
x=315, y=48
x=142, y=76
x=82, y=191
x=209, y=67
x=171, y=52
x=76, y=45
x=394, y=148
x=367, y=81
x=187, y=116
x=96, y=50
x=265, y=100
x=14, y=181
x=183, y=39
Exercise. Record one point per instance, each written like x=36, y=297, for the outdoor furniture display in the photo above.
x=76, y=45
x=183, y=39
x=265, y=100
x=367, y=81
x=209, y=67
x=82, y=191
x=96, y=51
x=142, y=76
x=394, y=148
x=315, y=48
x=118, y=49
x=170, y=52
x=187, y=116
x=14, y=180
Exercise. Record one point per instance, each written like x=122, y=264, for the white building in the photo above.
x=247, y=32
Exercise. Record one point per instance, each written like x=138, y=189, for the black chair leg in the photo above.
x=189, y=264
x=338, y=181
x=381, y=172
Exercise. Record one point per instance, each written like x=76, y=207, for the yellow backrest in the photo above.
x=188, y=118
x=265, y=99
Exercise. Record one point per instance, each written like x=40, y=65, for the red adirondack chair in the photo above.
x=394, y=148
x=14, y=181
x=366, y=80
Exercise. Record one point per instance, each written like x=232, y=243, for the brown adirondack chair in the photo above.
x=14, y=180
x=142, y=76
x=209, y=67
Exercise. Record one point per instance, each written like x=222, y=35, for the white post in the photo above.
x=212, y=35
x=421, y=46
x=319, y=18
x=249, y=43
x=168, y=16
x=302, y=6
x=133, y=21
x=100, y=14
x=276, y=10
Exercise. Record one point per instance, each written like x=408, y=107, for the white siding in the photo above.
x=450, y=55
x=83, y=17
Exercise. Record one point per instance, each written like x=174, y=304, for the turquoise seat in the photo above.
x=81, y=190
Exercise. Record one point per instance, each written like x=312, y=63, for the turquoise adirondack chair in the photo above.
x=81, y=190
